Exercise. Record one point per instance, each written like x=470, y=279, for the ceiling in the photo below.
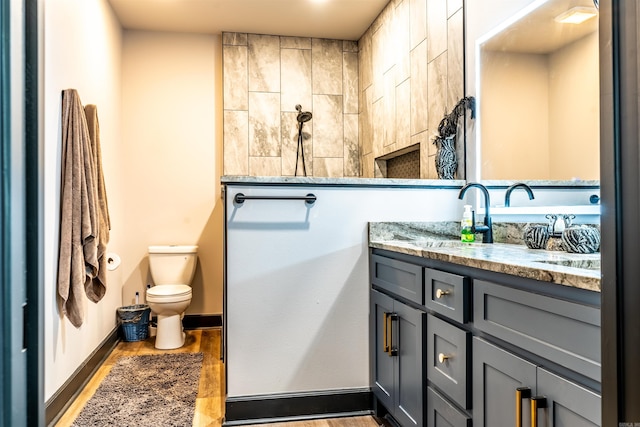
x=333, y=19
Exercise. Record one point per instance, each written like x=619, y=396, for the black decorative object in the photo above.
x=536, y=236
x=446, y=159
x=581, y=239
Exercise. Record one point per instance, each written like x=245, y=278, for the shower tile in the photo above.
x=455, y=59
x=350, y=46
x=327, y=66
x=377, y=63
x=402, y=44
x=265, y=166
x=328, y=128
x=350, y=82
x=436, y=28
x=437, y=93
x=351, y=147
x=236, y=142
x=418, y=24
x=295, y=43
x=419, y=100
x=328, y=166
x=264, y=63
x=366, y=122
x=264, y=124
x=365, y=66
x=378, y=127
x=367, y=166
x=453, y=6
x=403, y=114
x=389, y=107
x=235, y=73
x=234, y=39
x=296, y=79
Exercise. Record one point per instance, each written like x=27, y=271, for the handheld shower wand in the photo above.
x=303, y=116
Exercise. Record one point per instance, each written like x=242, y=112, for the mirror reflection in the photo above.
x=536, y=81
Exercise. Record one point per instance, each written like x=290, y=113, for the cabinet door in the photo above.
x=567, y=404
x=409, y=339
x=497, y=374
x=382, y=370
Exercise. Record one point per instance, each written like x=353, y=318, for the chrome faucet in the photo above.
x=487, y=228
x=507, y=195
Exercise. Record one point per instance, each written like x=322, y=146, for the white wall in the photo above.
x=82, y=50
x=172, y=158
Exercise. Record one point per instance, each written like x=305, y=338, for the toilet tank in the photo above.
x=172, y=264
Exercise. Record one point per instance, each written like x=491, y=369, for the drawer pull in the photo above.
x=385, y=332
x=537, y=402
x=442, y=357
x=440, y=293
x=521, y=393
x=393, y=351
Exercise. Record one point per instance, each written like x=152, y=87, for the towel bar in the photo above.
x=309, y=199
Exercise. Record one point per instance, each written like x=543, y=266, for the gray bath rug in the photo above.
x=152, y=390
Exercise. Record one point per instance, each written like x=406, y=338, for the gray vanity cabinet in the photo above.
x=397, y=334
x=504, y=386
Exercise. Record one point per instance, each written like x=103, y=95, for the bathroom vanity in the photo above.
x=482, y=334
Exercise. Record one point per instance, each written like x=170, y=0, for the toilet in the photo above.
x=172, y=268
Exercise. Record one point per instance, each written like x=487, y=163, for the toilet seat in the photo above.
x=168, y=293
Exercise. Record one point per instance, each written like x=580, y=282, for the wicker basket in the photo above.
x=134, y=320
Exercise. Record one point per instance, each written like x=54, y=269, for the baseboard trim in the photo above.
x=60, y=401
x=297, y=406
x=202, y=321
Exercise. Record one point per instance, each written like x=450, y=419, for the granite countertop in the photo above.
x=439, y=241
x=323, y=181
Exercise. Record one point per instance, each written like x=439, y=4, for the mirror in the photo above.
x=536, y=83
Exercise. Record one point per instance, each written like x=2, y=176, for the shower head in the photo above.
x=303, y=116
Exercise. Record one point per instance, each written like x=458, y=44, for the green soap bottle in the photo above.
x=466, y=226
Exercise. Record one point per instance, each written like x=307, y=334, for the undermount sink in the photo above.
x=587, y=264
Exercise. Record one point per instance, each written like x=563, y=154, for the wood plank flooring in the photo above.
x=210, y=400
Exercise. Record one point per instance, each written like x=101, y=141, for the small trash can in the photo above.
x=134, y=320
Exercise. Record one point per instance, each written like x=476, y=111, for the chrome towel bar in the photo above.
x=308, y=199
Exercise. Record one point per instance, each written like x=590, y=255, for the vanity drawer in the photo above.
x=400, y=278
x=448, y=359
x=565, y=332
x=447, y=294
x=441, y=413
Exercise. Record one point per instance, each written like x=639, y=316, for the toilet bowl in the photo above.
x=172, y=268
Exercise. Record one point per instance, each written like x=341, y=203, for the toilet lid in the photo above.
x=169, y=291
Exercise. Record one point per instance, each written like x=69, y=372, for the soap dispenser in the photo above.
x=466, y=226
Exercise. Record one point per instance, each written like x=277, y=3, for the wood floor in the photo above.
x=210, y=400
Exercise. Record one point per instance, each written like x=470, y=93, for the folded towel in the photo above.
x=78, y=260
x=97, y=286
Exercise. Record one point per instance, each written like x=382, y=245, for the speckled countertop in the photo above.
x=439, y=241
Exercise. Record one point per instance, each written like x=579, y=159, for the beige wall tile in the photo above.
x=328, y=166
x=295, y=43
x=328, y=127
x=350, y=46
x=403, y=114
x=402, y=43
x=265, y=166
x=453, y=6
x=235, y=72
x=419, y=81
x=365, y=66
x=367, y=165
x=377, y=63
x=236, y=143
x=418, y=23
x=436, y=28
x=264, y=63
x=350, y=82
x=351, y=147
x=264, y=124
x=327, y=66
x=378, y=127
x=389, y=107
x=366, y=121
x=296, y=79
x=437, y=93
x=234, y=39
x=455, y=59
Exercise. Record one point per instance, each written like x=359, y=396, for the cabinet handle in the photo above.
x=442, y=357
x=521, y=393
x=440, y=293
x=385, y=332
x=537, y=402
x=393, y=350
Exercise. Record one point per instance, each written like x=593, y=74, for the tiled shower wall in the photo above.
x=411, y=75
x=264, y=77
